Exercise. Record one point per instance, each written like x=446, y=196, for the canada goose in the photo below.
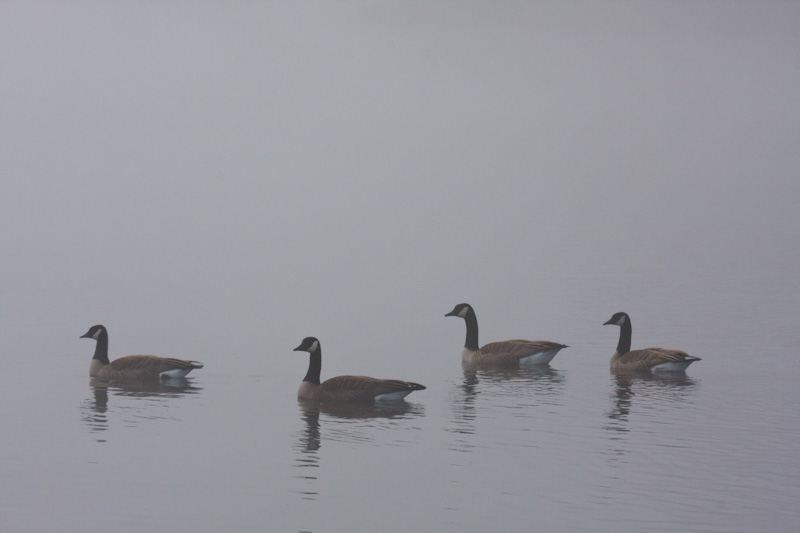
x=648, y=359
x=133, y=367
x=347, y=388
x=516, y=352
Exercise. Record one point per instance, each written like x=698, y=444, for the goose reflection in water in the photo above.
x=649, y=395
x=342, y=422
x=349, y=422
x=530, y=387
x=96, y=409
x=541, y=383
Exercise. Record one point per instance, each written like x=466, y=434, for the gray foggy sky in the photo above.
x=285, y=169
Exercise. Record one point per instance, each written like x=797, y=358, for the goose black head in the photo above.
x=309, y=344
x=95, y=332
x=460, y=310
x=618, y=319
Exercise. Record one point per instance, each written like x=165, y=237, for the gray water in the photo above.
x=216, y=182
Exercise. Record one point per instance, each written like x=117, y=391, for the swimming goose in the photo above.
x=516, y=352
x=133, y=367
x=648, y=359
x=347, y=388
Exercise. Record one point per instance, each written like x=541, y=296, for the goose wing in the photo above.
x=168, y=363
x=388, y=386
x=362, y=388
x=649, y=357
x=510, y=352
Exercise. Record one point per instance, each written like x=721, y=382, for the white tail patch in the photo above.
x=399, y=395
x=176, y=373
x=672, y=367
x=541, y=358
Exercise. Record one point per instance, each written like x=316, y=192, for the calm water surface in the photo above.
x=569, y=447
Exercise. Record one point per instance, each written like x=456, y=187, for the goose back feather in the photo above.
x=362, y=389
x=516, y=352
x=653, y=360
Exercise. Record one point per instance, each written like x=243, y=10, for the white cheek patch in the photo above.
x=97, y=334
x=314, y=346
x=463, y=312
x=621, y=320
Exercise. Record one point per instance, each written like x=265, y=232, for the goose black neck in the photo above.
x=101, y=350
x=471, y=342
x=314, y=366
x=625, y=332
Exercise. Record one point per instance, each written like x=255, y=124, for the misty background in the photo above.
x=218, y=180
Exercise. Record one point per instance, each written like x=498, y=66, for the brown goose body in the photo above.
x=514, y=352
x=133, y=367
x=145, y=367
x=357, y=389
x=652, y=359
x=647, y=359
x=352, y=389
